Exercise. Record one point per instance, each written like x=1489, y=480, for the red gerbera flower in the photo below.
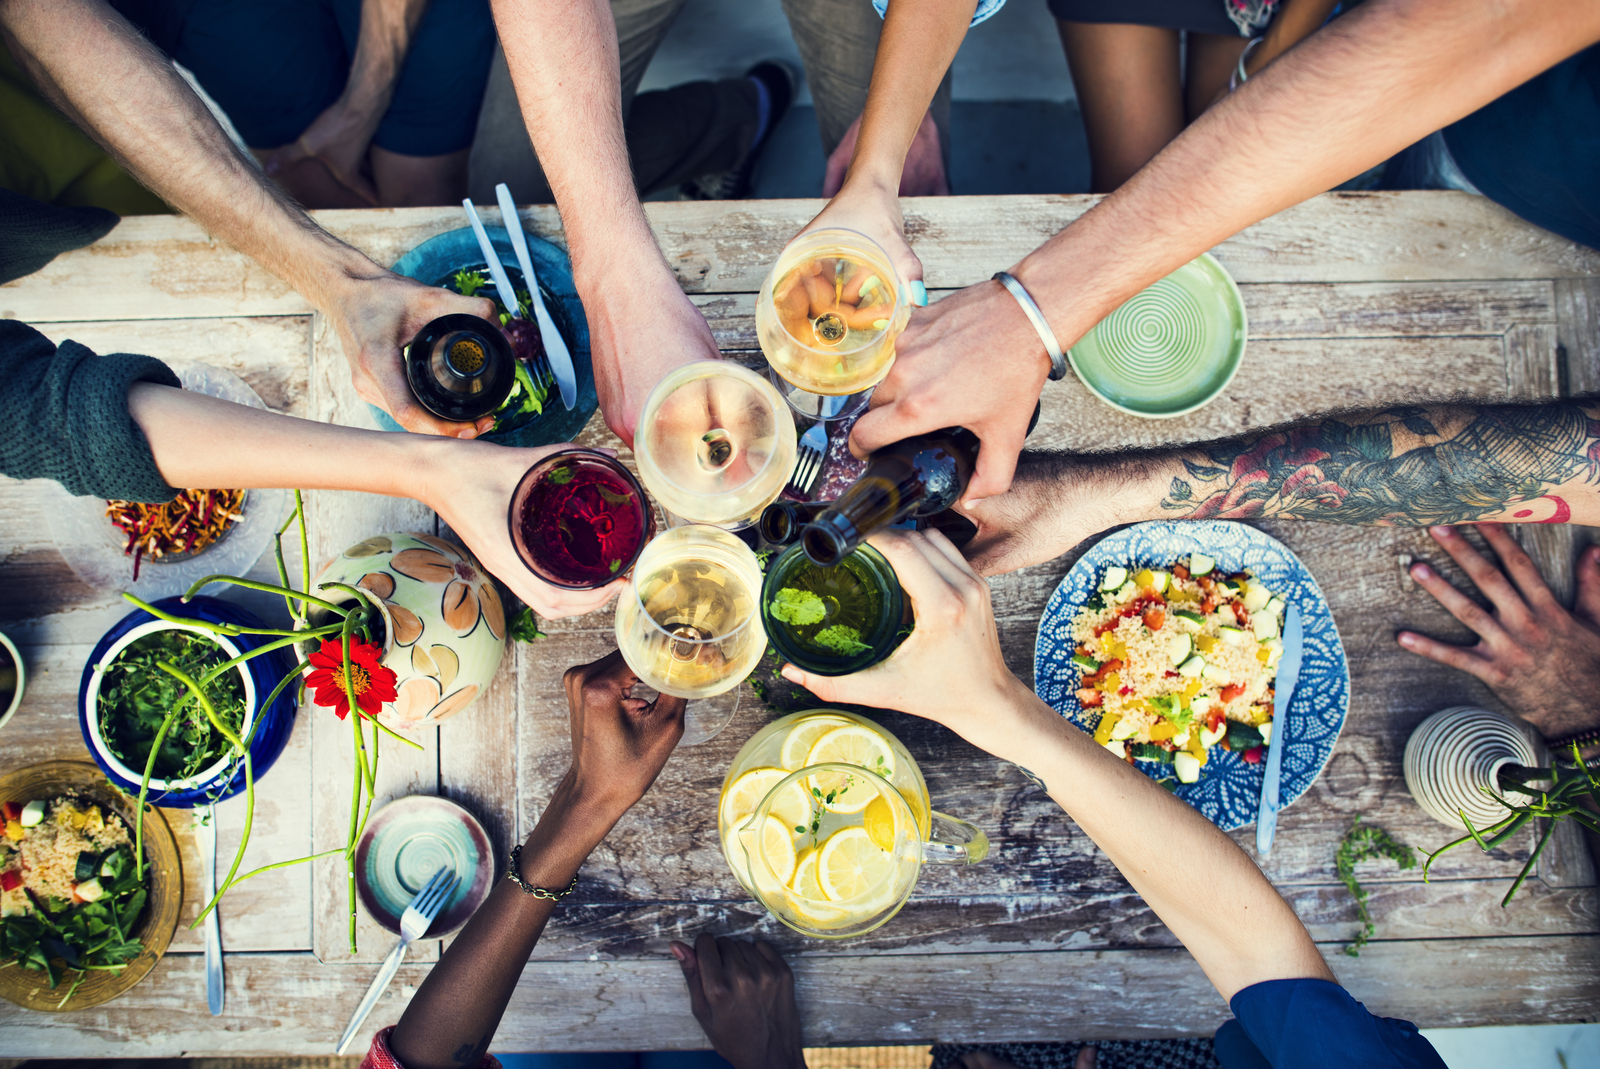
x=372, y=683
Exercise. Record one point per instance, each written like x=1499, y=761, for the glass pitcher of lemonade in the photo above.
x=825, y=819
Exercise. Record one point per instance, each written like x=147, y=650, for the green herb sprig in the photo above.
x=1361, y=842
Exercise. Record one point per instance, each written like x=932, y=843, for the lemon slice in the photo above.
x=776, y=844
x=805, y=882
x=797, y=744
x=851, y=744
x=878, y=820
x=744, y=796
x=850, y=864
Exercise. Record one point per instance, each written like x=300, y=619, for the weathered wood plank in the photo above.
x=270, y=353
x=168, y=267
x=291, y=1004
x=1299, y=310
x=1578, y=326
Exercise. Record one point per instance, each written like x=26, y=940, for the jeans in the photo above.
x=673, y=135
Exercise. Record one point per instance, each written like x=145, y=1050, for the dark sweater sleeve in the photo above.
x=65, y=417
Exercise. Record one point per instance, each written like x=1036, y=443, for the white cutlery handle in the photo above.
x=386, y=971
x=206, y=844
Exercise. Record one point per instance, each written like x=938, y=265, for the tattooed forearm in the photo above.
x=1405, y=466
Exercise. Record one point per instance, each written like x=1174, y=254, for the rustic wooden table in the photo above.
x=1354, y=299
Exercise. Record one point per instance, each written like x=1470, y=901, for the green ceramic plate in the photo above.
x=405, y=843
x=1171, y=348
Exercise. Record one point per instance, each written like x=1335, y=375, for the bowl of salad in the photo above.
x=1163, y=642
x=454, y=261
x=85, y=911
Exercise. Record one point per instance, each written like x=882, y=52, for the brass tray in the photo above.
x=30, y=989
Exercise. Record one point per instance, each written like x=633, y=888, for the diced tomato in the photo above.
x=1085, y=651
x=10, y=880
x=1089, y=698
x=1252, y=756
x=1180, y=572
x=1241, y=614
x=1171, y=674
x=1125, y=691
x=1206, y=583
x=1208, y=604
x=1105, y=669
x=1100, y=629
x=1214, y=720
x=1231, y=692
x=12, y=810
x=1155, y=617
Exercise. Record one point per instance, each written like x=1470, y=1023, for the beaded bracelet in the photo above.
x=514, y=874
x=1580, y=738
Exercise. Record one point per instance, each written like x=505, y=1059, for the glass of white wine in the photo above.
x=715, y=444
x=827, y=319
x=690, y=623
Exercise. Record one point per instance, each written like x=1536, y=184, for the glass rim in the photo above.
x=538, y=468
x=705, y=369
x=633, y=589
x=901, y=297
x=782, y=636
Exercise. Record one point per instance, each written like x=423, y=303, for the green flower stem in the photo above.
x=256, y=872
x=1533, y=859
x=305, y=549
x=205, y=703
x=221, y=629
x=144, y=789
x=251, y=584
x=380, y=726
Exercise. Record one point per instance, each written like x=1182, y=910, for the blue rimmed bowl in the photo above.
x=259, y=676
x=435, y=262
x=1229, y=789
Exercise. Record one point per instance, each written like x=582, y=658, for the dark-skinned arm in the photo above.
x=619, y=744
x=1406, y=466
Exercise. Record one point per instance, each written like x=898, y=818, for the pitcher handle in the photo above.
x=955, y=842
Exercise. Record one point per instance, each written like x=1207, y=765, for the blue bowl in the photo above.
x=226, y=779
x=441, y=256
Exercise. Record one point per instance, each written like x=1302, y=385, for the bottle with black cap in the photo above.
x=460, y=367
x=911, y=479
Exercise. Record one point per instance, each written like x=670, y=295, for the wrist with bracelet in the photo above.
x=1030, y=308
x=514, y=874
x=1240, y=75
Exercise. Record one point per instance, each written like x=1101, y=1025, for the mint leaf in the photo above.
x=841, y=639
x=798, y=607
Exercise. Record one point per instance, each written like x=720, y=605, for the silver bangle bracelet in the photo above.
x=1239, y=76
x=1058, y=359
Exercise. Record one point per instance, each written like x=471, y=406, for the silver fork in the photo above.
x=414, y=924
x=810, y=450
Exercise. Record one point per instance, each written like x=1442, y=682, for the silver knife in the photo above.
x=502, y=284
x=1288, y=676
x=205, y=841
x=555, y=347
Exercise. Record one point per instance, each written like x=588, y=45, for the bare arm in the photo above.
x=619, y=744
x=951, y=671
x=564, y=63
x=203, y=442
x=108, y=79
x=339, y=137
x=1411, y=466
x=920, y=39
x=1346, y=98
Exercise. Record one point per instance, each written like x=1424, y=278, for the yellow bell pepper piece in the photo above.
x=1263, y=654
x=1144, y=579
x=1110, y=683
x=1102, y=733
x=1192, y=687
x=1163, y=729
x=1204, y=643
x=14, y=830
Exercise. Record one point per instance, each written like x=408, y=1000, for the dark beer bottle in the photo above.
x=782, y=521
x=908, y=480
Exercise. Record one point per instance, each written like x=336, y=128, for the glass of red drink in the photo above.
x=579, y=519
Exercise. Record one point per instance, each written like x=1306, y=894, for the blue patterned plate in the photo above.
x=1229, y=790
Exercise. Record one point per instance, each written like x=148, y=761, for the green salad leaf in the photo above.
x=798, y=607
x=136, y=696
x=841, y=639
x=56, y=936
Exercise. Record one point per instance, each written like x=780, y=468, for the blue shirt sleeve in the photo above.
x=1315, y=1024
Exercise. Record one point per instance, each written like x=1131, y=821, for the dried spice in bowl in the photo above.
x=188, y=524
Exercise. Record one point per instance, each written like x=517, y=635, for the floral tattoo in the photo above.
x=1398, y=467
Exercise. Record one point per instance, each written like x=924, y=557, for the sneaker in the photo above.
x=782, y=83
